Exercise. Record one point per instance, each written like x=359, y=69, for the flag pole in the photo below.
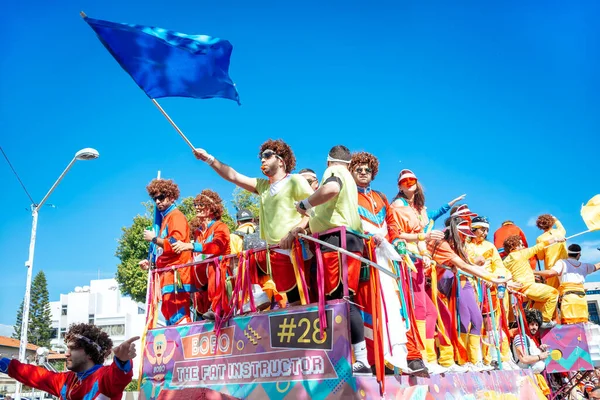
x=173, y=123
x=572, y=236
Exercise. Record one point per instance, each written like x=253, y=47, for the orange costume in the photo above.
x=212, y=241
x=509, y=229
x=175, y=285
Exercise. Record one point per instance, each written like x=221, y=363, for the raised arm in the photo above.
x=33, y=376
x=226, y=172
x=477, y=271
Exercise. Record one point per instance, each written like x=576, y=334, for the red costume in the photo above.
x=175, y=286
x=212, y=241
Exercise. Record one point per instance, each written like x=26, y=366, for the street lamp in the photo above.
x=83, y=154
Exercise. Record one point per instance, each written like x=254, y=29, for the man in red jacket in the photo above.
x=87, y=378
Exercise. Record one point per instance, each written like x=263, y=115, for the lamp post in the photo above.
x=83, y=154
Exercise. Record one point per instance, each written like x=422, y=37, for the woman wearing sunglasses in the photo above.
x=413, y=222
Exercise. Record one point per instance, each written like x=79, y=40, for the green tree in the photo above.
x=17, y=328
x=39, y=329
x=242, y=199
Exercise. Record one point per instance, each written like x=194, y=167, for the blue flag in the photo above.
x=169, y=64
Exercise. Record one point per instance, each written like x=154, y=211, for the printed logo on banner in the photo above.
x=208, y=345
x=300, y=331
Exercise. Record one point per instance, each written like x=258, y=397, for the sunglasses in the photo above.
x=200, y=205
x=267, y=154
x=311, y=181
x=365, y=170
x=160, y=197
x=408, y=181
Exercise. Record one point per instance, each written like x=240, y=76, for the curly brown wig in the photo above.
x=165, y=187
x=212, y=201
x=545, y=222
x=95, y=335
x=282, y=149
x=511, y=243
x=362, y=157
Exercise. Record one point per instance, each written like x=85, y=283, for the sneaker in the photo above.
x=548, y=325
x=455, y=369
x=359, y=368
x=416, y=368
x=435, y=369
x=261, y=300
x=209, y=315
x=469, y=367
x=480, y=367
x=494, y=364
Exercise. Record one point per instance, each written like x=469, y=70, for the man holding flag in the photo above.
x=279, y=221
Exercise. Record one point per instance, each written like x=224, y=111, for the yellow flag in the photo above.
x=591, y=213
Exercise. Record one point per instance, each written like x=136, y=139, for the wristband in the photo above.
x=305, y=205
x=421, y=237
x=210, y=160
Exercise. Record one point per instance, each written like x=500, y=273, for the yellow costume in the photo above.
x=544, y=296
x=553, y=253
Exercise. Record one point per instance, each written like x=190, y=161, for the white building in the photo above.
x=592, y=292
x=102, y=304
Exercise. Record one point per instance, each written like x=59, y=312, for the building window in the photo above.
x=54, y=333
x=63, y=310
x=114, y=330
x=63, y=331
x=141, y=310
x=593, y=310
x=91, y=318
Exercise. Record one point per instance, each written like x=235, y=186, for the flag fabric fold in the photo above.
x=165, y=63
x=591, y=213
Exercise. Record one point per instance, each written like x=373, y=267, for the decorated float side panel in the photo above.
x=275, y=355
x=568, y=346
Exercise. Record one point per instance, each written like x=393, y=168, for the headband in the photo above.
x=88, y=341
x=309, y=174
x=331, y=159
x=574, y=251
x=209, y=199
x=480, y=225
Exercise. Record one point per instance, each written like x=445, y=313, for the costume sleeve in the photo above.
x=301, y=188
x=219, y=245
x=37, y=377
x=261, y=185
x=116, y=377
x=178, y=229
x=441, y=251
x=532, y=251
x=390, y=221
x=559, y=267
x=560, y=229
x=435, y=214
x=541, y=253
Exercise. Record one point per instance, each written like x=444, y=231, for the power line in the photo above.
x=17, y=175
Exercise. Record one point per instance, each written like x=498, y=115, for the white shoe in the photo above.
x=455, y=369
x=510, y=365
x=435, y=369
x=469, y=367
x=480, y=367
x=261, y=300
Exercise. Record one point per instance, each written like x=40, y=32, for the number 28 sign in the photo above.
x=301, y=330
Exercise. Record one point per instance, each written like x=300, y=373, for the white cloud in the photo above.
x=6, y=330
x=531, y=222
x=589, y=251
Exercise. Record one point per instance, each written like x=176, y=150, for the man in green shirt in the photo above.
x=335, y=204
x=279, y=221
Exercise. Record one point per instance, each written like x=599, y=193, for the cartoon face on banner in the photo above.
x=162, y=348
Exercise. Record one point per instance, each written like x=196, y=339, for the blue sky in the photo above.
x=496, y=101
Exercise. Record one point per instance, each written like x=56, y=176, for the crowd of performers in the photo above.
x=449, y=311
